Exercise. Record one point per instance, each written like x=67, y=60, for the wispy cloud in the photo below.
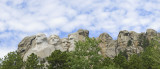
x=19, y=18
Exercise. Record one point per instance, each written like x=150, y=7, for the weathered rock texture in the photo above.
x=42, y=46
x=107, y=45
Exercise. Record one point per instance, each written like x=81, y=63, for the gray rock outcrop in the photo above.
x=26, y=44
x=80, y=35
x=150, y=33
x=107, y=45
x=43, y=46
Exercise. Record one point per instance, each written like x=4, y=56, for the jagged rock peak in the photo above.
x=84, y=33
x=150, y=33
x=107, y=45
x=151, y=30
x=105, y=37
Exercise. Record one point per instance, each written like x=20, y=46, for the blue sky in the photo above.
x=20, y=18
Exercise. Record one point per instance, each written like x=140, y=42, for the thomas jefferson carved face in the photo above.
x=40, y=38
x=53, y=39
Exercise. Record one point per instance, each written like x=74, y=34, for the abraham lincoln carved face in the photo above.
x=65, y=43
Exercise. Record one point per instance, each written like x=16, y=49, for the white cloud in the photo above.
x=20, y=18
x=56, y=22
x=2, y=27
x=5, y=50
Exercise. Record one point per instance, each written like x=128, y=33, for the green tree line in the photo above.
x=86, y=56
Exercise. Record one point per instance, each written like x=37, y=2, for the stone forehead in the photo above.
x=65, y=39
x=53, y=36
x=105, y=36
x=40, y=34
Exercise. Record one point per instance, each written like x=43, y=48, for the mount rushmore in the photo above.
x=43, y=46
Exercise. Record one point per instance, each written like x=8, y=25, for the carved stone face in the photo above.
x=65, y=43
x=40, y=38
x=72, y=37
x=53, y=39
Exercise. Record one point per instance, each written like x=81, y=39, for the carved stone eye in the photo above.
x=126, y=34
x=22, y=50
x=38, y=36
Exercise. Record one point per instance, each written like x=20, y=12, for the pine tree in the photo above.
x=129, y=43
x=57, y=60
x=33, y=62
x=12, y=61
x=143, y=41
x=150, y=56
x=107, y=62
x=124, y=53
x=86, y=55
x=135, y=62
x=153, y=54
x=1, y=62
x=112, y=67
x=121, y=61
x=146, y=60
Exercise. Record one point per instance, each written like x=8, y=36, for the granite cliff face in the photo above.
x=42, y=46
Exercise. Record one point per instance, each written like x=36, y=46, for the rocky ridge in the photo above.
x=42, y=46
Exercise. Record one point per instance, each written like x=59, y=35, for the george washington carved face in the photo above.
x=40, y=38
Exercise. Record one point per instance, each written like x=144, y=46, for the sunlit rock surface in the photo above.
x=43, y=46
